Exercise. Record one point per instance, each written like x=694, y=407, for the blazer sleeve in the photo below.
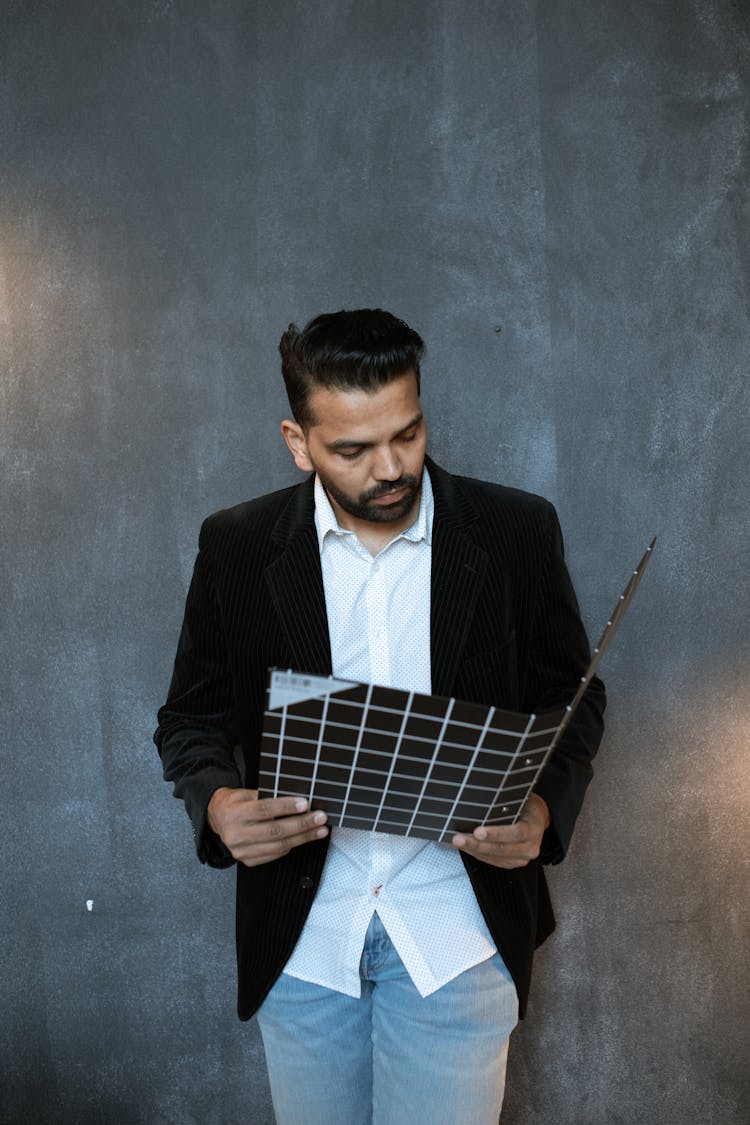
x=197, y=729
x=559, y=656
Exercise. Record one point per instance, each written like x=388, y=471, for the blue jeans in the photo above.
x=391, y=1057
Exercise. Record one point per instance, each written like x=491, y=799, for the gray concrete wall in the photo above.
x=555, y=194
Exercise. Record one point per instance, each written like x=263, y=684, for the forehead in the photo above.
x=365, y=413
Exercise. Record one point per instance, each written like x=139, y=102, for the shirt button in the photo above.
x=305, y=882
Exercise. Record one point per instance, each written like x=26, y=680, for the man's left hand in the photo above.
x=509, y=845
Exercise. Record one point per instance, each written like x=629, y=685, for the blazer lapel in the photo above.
x=458, y=574
x=295, y=582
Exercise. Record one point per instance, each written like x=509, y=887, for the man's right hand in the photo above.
x=258, y=831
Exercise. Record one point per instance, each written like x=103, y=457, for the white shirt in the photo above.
x=379, y=622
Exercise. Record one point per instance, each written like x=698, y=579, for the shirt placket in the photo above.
x=377, y=632
x=380, y=672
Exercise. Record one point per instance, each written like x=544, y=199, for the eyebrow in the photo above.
x=352, y=443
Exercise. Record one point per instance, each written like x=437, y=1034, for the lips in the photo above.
x=391, y=497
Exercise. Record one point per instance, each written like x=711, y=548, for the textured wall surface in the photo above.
x=555, y=194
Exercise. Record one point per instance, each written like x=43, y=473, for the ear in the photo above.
x=294, y=436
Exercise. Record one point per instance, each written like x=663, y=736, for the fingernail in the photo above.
x=459, y=841
x=480, y=833
x=319, y=818
x=301, y=805
x=321, y=832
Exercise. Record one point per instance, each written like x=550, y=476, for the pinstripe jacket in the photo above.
x=505, y=630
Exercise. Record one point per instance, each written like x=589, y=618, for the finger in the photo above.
x=508, y=854
x=252, y=854
x=521, y=843
x=269, y=808
x=259, y=832
x=476, y=846
x=500, y=834
x=282, y=827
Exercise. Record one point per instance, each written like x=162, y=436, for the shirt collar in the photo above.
x=327, y=524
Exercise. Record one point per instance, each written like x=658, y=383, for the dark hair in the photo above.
x=357, y=349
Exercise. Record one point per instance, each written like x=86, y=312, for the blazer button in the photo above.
x=305, y=882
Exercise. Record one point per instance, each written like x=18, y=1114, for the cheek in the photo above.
x=416, y=455
x=350, y=478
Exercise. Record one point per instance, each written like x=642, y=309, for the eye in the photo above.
x=349, y=456
x=409, y=437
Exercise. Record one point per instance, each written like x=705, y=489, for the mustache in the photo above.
x=406, y=481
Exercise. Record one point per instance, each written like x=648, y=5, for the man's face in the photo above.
x=368, y=450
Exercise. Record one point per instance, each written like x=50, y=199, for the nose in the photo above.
x=386, y=464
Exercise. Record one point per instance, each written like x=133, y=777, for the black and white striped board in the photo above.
x=395, y=761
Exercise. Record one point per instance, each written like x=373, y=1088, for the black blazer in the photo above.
x=505, y=630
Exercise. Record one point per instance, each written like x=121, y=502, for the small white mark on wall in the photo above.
x=89, y=904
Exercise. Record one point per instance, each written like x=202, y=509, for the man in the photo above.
x=387, y=972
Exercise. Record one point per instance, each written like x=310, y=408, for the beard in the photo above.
x=362, y=506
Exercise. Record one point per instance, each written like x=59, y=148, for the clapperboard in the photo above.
x=387, y=760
